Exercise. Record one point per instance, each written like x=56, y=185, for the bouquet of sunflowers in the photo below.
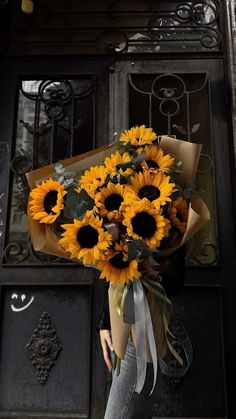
x=115, y=209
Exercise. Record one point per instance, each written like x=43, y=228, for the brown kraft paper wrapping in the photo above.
x=120, y=331
x=45, y=240
x=188, y=154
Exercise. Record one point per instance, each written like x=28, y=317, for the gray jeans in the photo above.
x=123, y=401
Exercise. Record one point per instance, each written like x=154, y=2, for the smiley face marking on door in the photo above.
x=22, y=297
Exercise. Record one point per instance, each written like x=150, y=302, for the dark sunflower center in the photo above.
x=118, y=262
x=144, y=225
x=87, y=236
x=152, y=164
x=113, y=201
x=150, y=192
x=50, y=201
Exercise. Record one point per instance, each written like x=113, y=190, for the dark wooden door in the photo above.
x=186, y=98
x=49, y=307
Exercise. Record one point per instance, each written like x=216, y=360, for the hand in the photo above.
x=106, y=343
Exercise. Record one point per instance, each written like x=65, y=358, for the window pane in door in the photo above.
x=55, y=119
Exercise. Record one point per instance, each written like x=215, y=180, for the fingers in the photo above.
x=106, y=344
x=109, y=342
x=107, y=359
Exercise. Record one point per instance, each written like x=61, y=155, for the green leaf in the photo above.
x=64, y=177
x=121, y=179
x=127, y=146
x=69, y=175
x=128, y=309
x=133, y=162
x=137, y=249
x=77, y=204
x=139, y=158
x=59, y=168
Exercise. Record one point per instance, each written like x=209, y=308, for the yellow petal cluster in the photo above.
x=109, y=201
x=86, y=239
x=93, y=179
x=116, y=159
x=139, y=136
x=155, y=160
x=116, y=267
x=156, y=188
x=129, y=203
x=144, y=222
x=47, y=201
x=178, y=212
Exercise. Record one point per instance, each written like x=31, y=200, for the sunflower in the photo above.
x=155, y=160
x=110, y=200
x=116, y=159
x=154, y=187
x=93, y=179
x=144, y=222
x=178, y=212
x=116, y=268
x=47, y=201
x=86, y=239
x=138, y=136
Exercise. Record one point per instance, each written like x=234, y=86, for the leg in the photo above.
x=123, y=401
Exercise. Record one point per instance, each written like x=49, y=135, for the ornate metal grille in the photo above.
x=178, y=104
x=55, y=120
x=117, y=27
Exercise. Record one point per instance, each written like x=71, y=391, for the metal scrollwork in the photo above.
x=56, y=91
x=44, y=347
x=43, y=257
x=209, y=165
x=55, y=96
x=53, y=115
x=204, y=255
x=170, y=90
x=112, y=41
x=42, y=129
x=208, y=255
x=144, y=28
x=180, y=341
x=15, y=253
x=205, y=12
x=173, y=98
x=210, y=39
x=21, y=165
x=200, y=16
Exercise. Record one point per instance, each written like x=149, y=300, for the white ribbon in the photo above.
x=140, y=329
x=151, y=341
x=144, y=331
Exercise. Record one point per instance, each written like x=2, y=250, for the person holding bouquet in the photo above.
x=123, y=402
x=126, y=209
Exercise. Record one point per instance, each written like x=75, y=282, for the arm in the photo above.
x=104, y=328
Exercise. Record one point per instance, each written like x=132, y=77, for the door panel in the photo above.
x=202, y=392
x=185, y=98
x=52, y=111
x=45, y=327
